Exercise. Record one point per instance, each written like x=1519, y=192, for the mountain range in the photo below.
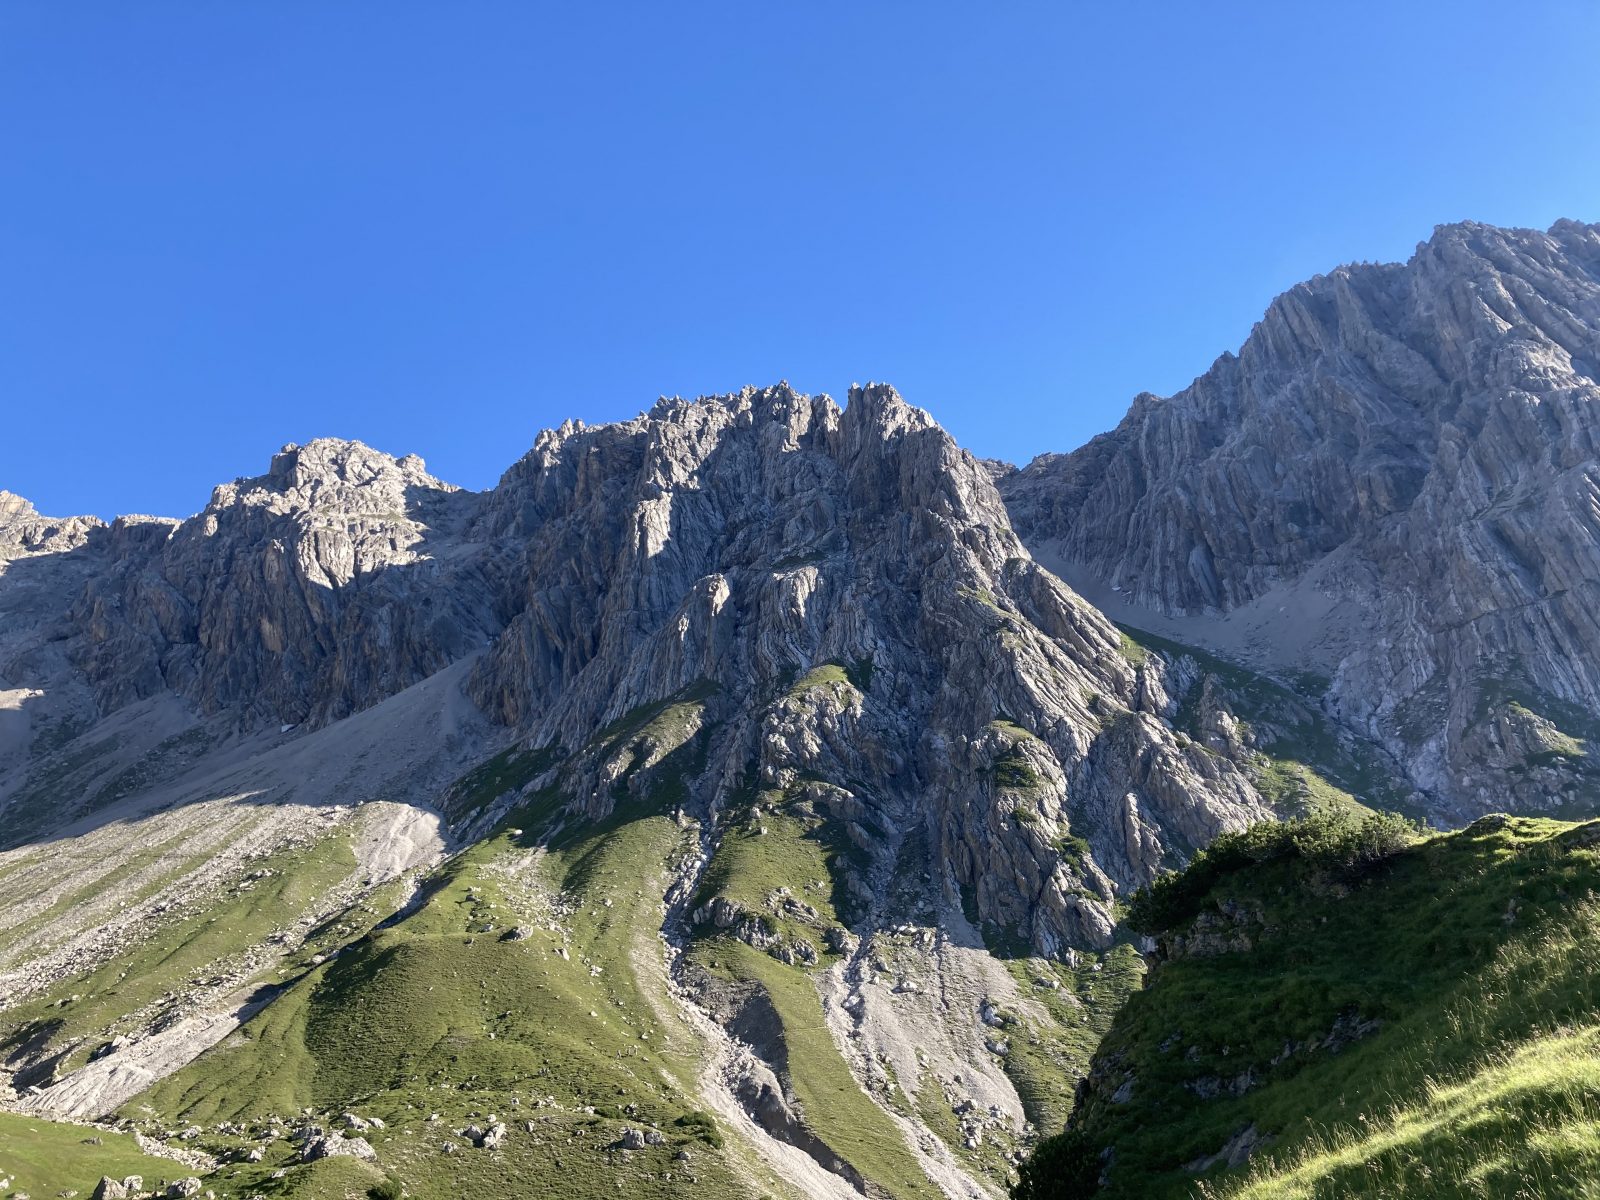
x=748, y=799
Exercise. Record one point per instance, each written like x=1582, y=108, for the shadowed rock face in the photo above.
x=338, y=578
x=1413, y=444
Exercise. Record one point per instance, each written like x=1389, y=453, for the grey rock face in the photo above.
x=833, y=600
x=338, y=578
x=1406, y=455
x=335, y=1145
x=761, y=590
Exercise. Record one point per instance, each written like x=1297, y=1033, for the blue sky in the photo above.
x=441, y=227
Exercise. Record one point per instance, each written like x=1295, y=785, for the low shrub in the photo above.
x=1064, y=1167
x=1336, y=844
x=702, y=1125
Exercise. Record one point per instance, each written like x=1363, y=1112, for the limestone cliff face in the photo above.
x=774, y=685
x=843, y=588
x=338, y=578
x=1408, y=452
x=837, y=590
x=784, y=662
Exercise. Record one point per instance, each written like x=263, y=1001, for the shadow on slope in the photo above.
x=1424, y=1027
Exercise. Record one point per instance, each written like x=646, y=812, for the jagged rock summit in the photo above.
x=735, y=546
x=1394, y=486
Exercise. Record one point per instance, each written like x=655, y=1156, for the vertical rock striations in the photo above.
x=821, y=596
x=1407, y=454
x=842, y=595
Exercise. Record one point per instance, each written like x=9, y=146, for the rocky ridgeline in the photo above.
x=338, y=578
x=840, y=596
x=729, y=550
x=1408, y=456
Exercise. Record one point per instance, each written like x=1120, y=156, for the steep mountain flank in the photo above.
x=333, y=581
x=838, y=596
x=782, y=750
x=1394, y=485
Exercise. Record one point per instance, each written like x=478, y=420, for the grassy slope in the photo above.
x=776, y=843
x=781, y=844
x=831, y=1100
x=49, y=1158
x=1047, y=1059
x=193, y=944
x=1479, y=953
x=801, y=852
x=441, y=1013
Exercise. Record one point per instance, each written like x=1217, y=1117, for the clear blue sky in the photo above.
x=440, y=227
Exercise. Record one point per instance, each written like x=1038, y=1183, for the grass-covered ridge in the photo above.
x=1375, y=1015
x=779, y=861
x=213, y=937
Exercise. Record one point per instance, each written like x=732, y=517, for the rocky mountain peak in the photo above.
x=1412, y=447
x=716, y=553
x=24, y=531
x=330, y=472
x=792, y=750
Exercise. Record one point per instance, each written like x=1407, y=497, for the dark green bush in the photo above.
x=389, y=1189
x=1013, y=770
x=1337, y=844
x=702, y=1125
x=1064, y=1167
x=1074, y=848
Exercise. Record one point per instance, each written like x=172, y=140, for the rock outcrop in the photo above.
x=839, y=593
x=338, y=578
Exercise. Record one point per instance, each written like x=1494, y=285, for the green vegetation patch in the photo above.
x=783, y=863
x=1337, y=845
x=1524, y=1125
x=670, y=722
x=193, y=945
x=510, y=770
x=53, y=1158
x=1575, y=726
x=1011, y=768
x=1013, y=772
x=1398, y=1017
x=1303, y=765
x=834, y=676
x=1296, y=790
x=1046, y=1059
x=831, y=1101
x=1131, y=649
